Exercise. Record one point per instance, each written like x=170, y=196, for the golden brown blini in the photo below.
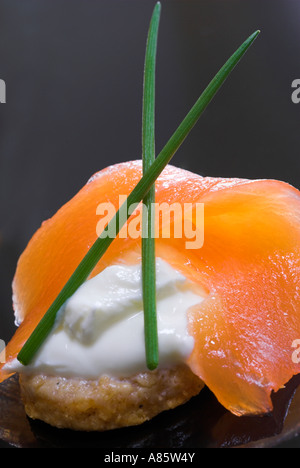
x=107, y=403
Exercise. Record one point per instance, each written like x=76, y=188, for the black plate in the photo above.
x=200, y=423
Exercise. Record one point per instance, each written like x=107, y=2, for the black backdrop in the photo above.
x=74, y=69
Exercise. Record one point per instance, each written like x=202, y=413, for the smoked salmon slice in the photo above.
x=249, y=265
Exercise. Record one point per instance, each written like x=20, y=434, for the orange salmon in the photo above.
x=249, y=265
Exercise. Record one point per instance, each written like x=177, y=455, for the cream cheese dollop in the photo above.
x=100, y=329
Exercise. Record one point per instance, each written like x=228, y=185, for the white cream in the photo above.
x=100, y=330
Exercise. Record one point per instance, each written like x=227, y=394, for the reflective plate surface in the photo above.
x=201, y=423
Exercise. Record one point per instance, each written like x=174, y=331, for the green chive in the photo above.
x=100, y=246
x=148, y=152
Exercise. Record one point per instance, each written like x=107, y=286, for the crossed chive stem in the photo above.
x=144, y=190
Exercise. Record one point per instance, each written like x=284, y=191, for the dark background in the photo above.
x=74, y=71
